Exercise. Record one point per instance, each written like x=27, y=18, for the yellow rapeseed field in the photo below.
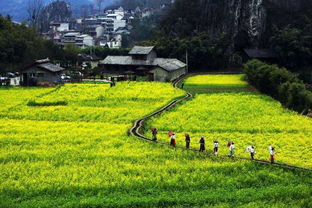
x=246, y=118
x=68, y=147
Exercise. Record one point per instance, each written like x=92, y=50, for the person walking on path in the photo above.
x=229, y=143
x=232, y=148
x=154, y=133
x=187, y=141
x=215, y=147
x=202, y=144
x=252, y=152
x=173, y=140
x=272, y=154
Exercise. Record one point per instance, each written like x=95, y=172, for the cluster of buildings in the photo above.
x=105, y=29
x=143, y=61
x=140, y=62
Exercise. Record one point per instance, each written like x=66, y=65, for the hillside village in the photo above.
x=106, y=29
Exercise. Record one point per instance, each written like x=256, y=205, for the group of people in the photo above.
x=202, y=148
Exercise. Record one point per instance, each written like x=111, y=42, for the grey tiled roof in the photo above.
x=141, y=50
x=169, y=64
x=50, y=67
x=42, y=61
x=166, y=64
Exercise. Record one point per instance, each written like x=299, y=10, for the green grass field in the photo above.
x=78, y=154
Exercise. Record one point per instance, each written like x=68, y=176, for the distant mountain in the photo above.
x=17, y=8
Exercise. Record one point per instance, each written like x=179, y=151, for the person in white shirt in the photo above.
x=232, y=147
x=215, y=147
x=272, y=154
x=173, y=140
x=252, y=152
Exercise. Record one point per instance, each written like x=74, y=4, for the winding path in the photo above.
x=138, y=128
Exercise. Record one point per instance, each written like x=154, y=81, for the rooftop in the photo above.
x=51, y=67
x=87, y=57
x=46, y=65
x=141, y=50
x=260, y=53
x=40, y=61
x=166, y=64
x=72, y=34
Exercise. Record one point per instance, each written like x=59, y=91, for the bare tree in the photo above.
x=99, y=3
x=34, y=8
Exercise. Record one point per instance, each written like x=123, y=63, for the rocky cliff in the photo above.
x=249, y=23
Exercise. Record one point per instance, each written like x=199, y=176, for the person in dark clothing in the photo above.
x=187, y=141
x=154, y=133
x=182, y=86
x=252, y=152
x=202, y=144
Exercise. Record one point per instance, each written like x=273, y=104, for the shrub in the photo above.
x=280, y=84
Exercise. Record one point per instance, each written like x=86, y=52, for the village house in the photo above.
x=265, y=55
x=85, y=59
x=41, y=72
x=143, y=61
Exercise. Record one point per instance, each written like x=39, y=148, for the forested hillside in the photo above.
x=20, y=45
x=284, y=26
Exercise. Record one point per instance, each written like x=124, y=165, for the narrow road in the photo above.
x=137, y=130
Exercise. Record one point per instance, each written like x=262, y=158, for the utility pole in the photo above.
x=186, y=59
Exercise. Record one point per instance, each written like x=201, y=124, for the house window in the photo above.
x=40, y=75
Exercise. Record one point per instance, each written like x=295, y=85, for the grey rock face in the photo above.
x=289, y=5
x=244, y=20
x=236, y=17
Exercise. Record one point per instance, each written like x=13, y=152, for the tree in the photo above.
x=20, y=46
x=99, y=3
x=34, y=8
x=58, y=11
x=293, y=47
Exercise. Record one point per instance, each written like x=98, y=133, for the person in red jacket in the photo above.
x=173, y=140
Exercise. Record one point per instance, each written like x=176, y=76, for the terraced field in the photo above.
x=247, y=118
x=68, y=147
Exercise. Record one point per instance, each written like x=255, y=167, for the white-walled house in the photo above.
x=84, y=41
x=15, y=81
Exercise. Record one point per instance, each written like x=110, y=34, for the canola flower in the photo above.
x=247, y=118
x=222, y=81
x=79, y=155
